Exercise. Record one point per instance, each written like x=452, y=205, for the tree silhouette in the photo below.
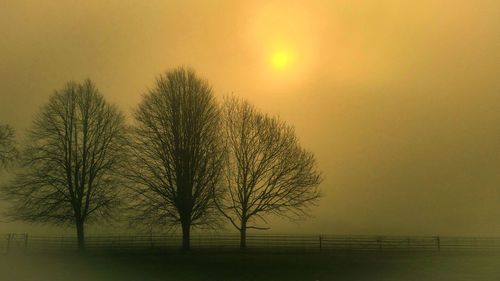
x=176, y=155
x=70, y=162
x=267, y=172
x=8, y=151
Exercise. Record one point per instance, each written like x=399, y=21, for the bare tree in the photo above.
x=176, y=153
x=8, y=151
x=70, y=161
x=267, y=172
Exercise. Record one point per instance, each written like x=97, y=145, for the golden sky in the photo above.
x=399, y=100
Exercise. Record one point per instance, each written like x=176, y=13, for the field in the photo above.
x=269, y=257
x=338, y=265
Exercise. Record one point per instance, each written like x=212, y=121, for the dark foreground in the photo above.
x=252, y=266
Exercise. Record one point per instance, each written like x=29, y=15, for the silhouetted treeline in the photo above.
x=185, y=160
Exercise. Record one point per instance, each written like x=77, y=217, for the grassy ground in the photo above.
x=253, y=266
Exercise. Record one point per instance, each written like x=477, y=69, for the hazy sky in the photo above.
x=399, y=100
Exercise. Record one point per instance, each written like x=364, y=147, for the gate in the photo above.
x=17, y=241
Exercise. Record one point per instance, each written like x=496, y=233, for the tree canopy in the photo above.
x=176, y=155
x=266, y=170
x=70, y=163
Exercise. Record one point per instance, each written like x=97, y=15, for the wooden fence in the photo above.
x=261, y=242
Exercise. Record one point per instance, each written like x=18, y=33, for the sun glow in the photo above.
x=282, y=41
x=281, y=60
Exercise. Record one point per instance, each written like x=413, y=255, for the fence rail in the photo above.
x=221, y=242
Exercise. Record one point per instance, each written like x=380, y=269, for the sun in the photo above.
x=281, y=59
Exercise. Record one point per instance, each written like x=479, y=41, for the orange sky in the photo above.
x=399, y=100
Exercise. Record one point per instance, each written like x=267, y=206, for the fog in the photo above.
x=400, y=102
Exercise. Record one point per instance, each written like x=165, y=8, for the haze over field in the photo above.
x=400, y=102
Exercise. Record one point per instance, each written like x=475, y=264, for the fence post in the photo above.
x=320, y=243
x=379, y=241
x=8, y=241
x=438, y=240
x=26, y=241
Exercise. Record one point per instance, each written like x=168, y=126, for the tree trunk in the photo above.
x=80, y=235
x=185, y=236
x=243, y=234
